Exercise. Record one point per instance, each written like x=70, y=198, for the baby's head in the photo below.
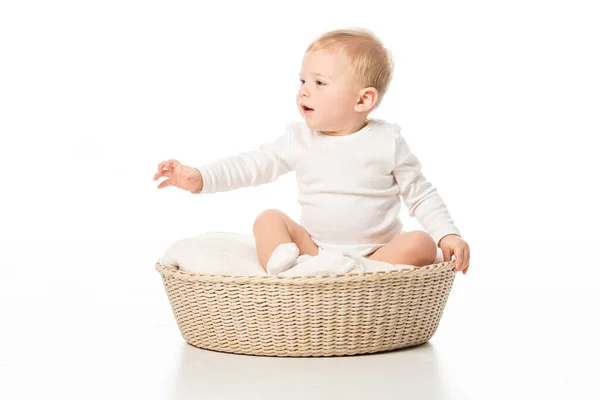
x=344, y=75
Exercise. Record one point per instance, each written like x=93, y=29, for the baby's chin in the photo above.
x=310, y=122
x=312, y=125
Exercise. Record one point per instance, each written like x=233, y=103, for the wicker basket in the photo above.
x=333, y=315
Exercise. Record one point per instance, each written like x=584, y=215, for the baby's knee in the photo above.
x=424, y=246
x=268, y=217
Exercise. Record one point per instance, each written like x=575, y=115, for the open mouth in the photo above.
x=306, y=109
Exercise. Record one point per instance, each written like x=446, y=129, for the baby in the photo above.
x=352, y=171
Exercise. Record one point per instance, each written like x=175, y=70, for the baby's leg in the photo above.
x=273, y=228
x=412, y=248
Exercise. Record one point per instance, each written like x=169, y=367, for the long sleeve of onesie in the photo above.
x=420, y=196
x=251, y=168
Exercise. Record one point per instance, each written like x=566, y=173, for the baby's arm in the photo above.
x=248, y=169
x=420, y=196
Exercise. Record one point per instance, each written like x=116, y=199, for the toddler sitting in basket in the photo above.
x=352, y=171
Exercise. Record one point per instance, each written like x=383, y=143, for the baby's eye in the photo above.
x=319, y=83
x=302, y=81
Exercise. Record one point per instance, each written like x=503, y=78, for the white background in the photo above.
x=499, y=100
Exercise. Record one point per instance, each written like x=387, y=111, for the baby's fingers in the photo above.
x=169, y=164
x=460, y=259
x=164, y=184
x=161, y=173
x=164, y=167
x=467, y=260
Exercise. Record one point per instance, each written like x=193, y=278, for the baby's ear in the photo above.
x=367, y=98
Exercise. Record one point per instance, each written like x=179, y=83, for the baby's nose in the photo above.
x=303, y=92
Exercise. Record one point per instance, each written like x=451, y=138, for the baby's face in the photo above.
x=328, y=87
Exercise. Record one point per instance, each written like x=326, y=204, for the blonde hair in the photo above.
x=372, y=63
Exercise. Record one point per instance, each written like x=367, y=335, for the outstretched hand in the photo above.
x=455, y=245
x=179, y=175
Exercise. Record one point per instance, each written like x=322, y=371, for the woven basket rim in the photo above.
x=426, y=270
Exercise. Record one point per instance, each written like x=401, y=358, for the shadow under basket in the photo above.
x=334, y=315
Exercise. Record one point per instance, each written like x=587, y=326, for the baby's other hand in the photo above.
x=454, y=244
x=179, y=175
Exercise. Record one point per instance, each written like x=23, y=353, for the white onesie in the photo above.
x=349, y=187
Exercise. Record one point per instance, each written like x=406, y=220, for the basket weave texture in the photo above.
x=334, y=315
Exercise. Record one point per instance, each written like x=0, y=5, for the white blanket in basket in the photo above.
x=235, y=254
